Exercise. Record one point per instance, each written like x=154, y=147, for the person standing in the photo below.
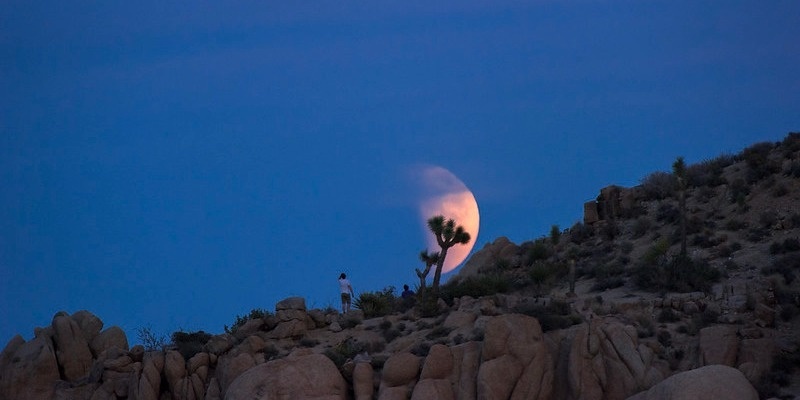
x=346, y=289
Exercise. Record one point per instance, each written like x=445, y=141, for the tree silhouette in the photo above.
x=447, y=235
x=430, y=259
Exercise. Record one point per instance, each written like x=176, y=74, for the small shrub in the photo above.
x=439, y=331
x=667, y=213
x=190, y=343
x=734, y=225
x=768, y=218
x=391, y=334
x=641, y=226
x=644, y=327
x=344, y=351
x=609, y=230
x=784, y=266
x=421, y=349
x=793, y=169
x=780, y=190
x=474, y=286
x=242, y=319
x=658, y=185
x=788, y=312
x=556, y=315
x=738, y=191
x=665, y=338
x=668, y=315
x=308, y=342
x=150, y=340
x=376, y=304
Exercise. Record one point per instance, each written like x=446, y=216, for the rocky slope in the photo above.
x=591, y=312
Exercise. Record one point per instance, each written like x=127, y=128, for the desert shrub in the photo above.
x=556, y=315
x=780, y=374
x=421, y=349
x=608, y=283
x=439, y=331
x=734, y=225
x=784, y=266
x=767, y=218
x=779, y=190
x=738, y=191
x=788, y=312
x=344, y=351
x=791, y=143
x=544, y=274
x=242, y=319
x=644, y=327
x=391, y=334
x=190, y=343
x=475, y=286
x=758, y=163
x=667, y=314
x=609, y=230
x=789, y=245
x=658, y=185
x=664, y=337
x=539, y=250
x=793, y=169
x=680, y=274
x=756, y=235
x=708, y=173
x=641, y=226
x=580, y=232
x=376, y=304
x=667, y=213
x=150, y=340
x=308, y=342
x=626, y=247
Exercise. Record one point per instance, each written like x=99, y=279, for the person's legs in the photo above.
x=345, y=303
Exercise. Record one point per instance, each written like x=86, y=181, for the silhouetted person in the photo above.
x=407, y=293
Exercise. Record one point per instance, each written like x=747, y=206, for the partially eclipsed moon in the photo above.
x=445, y=194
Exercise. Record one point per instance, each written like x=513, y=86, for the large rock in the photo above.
x=719, y=344
x=147, y=378
x=28, y=370
x=516, y=362
x=400, y=369
x=501, y=248
x=602, y=360
x=709, y=382
x=89, y=324
x=72, y=349
x=362, y=381
x=111, y=337
x=466, y=360
x=301, y=375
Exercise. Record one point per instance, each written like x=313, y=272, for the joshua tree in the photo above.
x=430, y=259
x=447, y=235
x=679, y=170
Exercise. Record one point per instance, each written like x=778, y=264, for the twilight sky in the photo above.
x=171, y=165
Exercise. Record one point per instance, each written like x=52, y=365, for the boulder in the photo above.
x=111, y=337
x=466, y=360
x=28, y=370
x=147, y=381
x=709, y=382
x=438, y=364
x=400, y=369
x=362, y=381
x=516, y=361
x=439, y=389
x=72, y=349
x=89, y=324
x=301, y=375
x=718, y=345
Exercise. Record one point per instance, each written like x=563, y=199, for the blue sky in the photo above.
x=171, y=165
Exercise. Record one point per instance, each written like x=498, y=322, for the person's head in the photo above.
x=342, y=276
x=405, y=287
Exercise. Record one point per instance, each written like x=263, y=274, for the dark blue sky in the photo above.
x=174, y=165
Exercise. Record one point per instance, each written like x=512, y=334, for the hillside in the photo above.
x=608, y=308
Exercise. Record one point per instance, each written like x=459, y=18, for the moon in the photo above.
x=444, y=194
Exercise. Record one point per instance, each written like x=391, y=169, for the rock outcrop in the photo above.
x=709, y=382
x=488, y=354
